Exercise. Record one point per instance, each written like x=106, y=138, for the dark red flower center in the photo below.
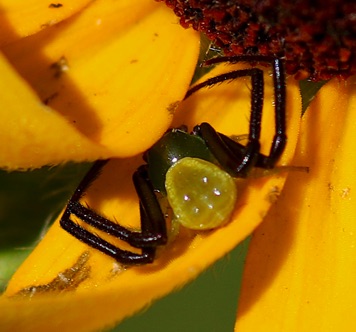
x=317, y=39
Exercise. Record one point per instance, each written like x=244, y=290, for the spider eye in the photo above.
x=201, y=194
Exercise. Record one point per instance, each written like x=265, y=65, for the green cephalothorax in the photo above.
x=173, y=146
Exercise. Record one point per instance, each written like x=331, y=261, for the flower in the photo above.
x=66, y=285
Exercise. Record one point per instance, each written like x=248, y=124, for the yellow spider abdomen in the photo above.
x=202, y=195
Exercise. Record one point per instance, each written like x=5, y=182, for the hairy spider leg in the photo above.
x=278, y=73
x=152, y=221
x=154, y=231
x=236, y=165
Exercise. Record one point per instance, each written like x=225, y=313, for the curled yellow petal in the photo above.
x=112, y=72
x=61, y=264
x=19, y=18
x=301, y=267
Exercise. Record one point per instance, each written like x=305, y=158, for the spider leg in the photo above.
x=87, y=215
x=280, y=137
x=123, y=256
x=237, y=165
x=153, y=225
x=238, y=149
x=278, y=72
x=152, y=221
x=250, y=156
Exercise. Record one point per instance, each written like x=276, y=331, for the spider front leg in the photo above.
x=152, y=221
x=234, y=157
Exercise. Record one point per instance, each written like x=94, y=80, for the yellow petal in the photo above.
x=19, y=18
x=301, y=266
x=112, y=72
x=32, y=129
x=111, y=293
